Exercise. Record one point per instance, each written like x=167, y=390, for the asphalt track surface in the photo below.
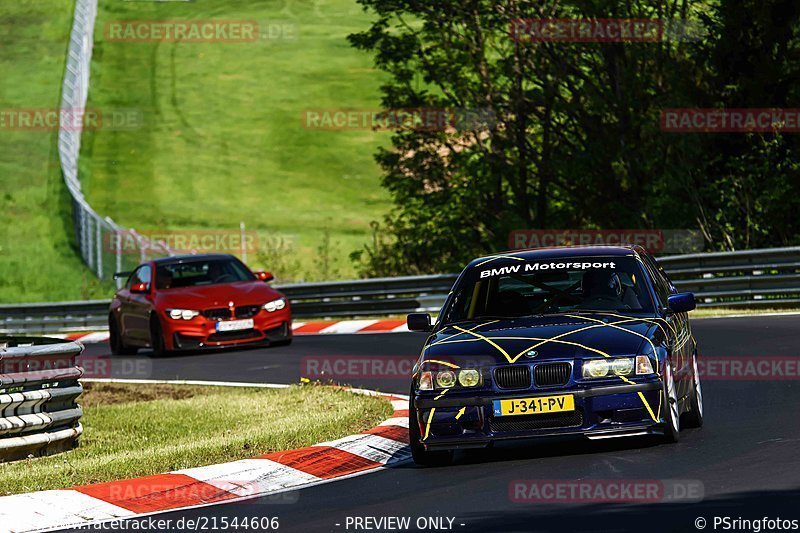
x=746, y=458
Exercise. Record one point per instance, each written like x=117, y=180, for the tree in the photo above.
x=575, y=138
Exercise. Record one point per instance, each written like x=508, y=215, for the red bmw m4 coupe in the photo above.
x=194, y=302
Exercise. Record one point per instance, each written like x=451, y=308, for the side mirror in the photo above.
x=419, y=322
x=264, y=276
x=681, y=303
x=139, y=288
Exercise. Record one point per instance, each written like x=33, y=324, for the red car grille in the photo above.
x=224, y=313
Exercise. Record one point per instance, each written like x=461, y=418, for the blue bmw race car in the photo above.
x=591, y=341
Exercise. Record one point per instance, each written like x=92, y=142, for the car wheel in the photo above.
x=694, y=418
x=421, y=456
x=157, y=338
x=118, y=346
x=669, y=398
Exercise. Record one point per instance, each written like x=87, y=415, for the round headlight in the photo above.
x=175, y=313
x=187, y=314
x=622, y=366
x=595, y=369
x=280, y=304
x=469, y=378
x=445, y=379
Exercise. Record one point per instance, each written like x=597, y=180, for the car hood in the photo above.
x=220, y=295
x=550, y=337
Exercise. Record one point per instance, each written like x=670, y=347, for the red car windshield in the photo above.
x=201, y=272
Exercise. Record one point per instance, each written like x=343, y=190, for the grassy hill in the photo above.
x=37, y=261
x=223, y=140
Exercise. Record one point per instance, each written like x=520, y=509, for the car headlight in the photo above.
x=600, y=368
x=469, y=378
x=275, y=305
x=186, y=314
x=622, y=366
x=445, y=379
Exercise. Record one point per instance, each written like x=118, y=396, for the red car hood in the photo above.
x=220, y=295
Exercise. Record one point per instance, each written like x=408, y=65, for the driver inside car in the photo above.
x=602, y=290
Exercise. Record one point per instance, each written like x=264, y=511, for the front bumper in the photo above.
x=600, y=412
x=201, y=333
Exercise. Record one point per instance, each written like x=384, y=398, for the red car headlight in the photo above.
x=185, y=314
x=275, y=305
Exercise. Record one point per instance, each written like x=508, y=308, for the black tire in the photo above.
x=118, y=346
x=669, y=392
x=694, y=418
x=157, y=338
x=421, y=456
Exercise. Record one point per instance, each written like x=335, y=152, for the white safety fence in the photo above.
x=98, y=238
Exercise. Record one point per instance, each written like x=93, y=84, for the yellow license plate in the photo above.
x=534, y=406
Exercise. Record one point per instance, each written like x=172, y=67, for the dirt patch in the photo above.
x=113, y=393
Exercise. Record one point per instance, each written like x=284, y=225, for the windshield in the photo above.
x=195, y=273
x=511, y=288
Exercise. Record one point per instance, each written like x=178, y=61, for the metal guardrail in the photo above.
x=748, y=278
x=753, y=278
x=38, y=392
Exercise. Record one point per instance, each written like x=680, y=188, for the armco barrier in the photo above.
x=753, y=278
x=38, y=392
x=747, y=278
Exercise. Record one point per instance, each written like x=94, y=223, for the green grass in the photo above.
x=37, y=258
x=223, y=141
x=137, y=430
x=711, y=312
